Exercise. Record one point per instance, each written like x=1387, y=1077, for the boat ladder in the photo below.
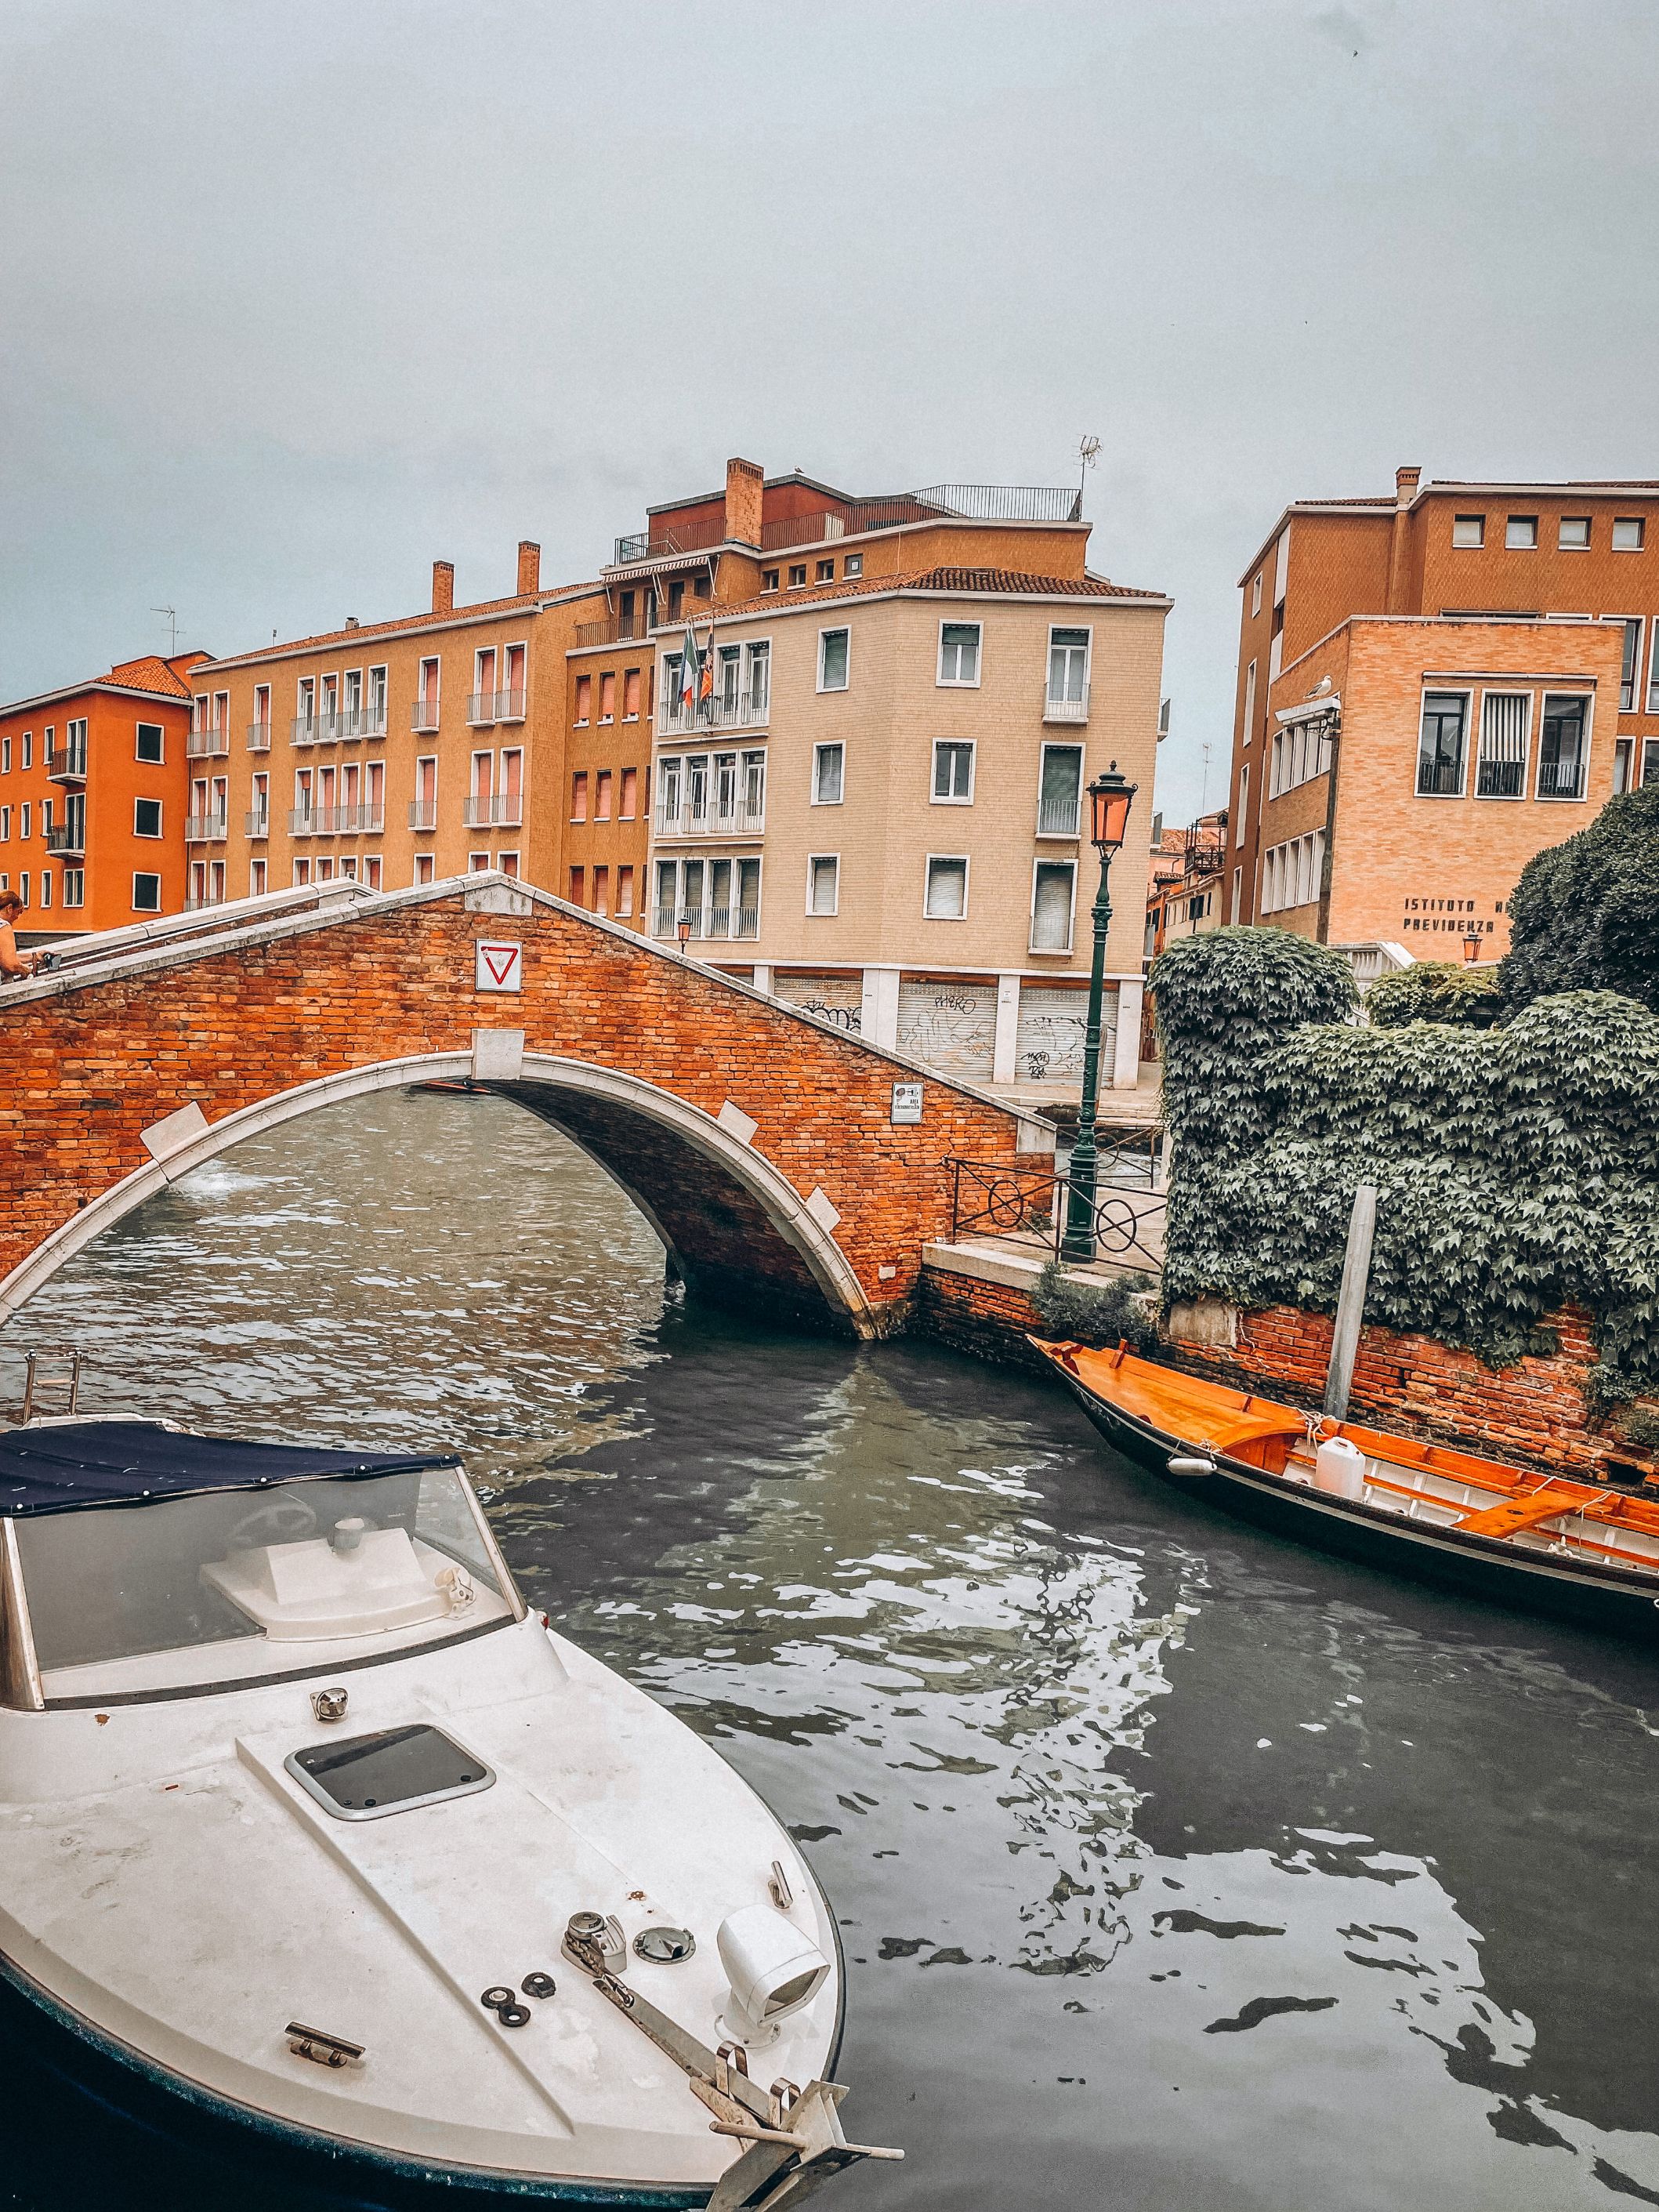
x=51, y=1382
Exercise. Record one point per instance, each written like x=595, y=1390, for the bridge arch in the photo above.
x=640, y=1133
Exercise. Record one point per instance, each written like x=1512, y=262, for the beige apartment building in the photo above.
x=388, y=753
x=878, y=813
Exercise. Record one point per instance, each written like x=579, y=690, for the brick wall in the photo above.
x=990, y=1320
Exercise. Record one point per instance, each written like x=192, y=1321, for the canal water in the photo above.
x=1178, y=1868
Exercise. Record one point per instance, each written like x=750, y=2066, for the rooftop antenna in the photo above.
x=173, y=617
x=1204, y=787
x=1088, y=452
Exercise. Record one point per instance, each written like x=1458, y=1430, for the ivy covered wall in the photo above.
x=1517, y=1168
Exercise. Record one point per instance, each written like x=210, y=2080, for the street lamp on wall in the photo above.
x=1110, y=797
x=684, y=933
x=1472, y=945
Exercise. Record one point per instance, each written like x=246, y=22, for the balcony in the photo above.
x=258, y=736
x=937, y=503
x=1059, y=816
x=483, y=707
x=663, y=540
x=423, y=718
x=193, y=905
x=306, y=730
x=501, y=812
x=207, y=744
x=68, y=763
x=613, y=630
x=330, y=724
x=751, y=711
x=206, y=829
x=717, y=922
x=423, y=813
x=359, y=821
x=69, y=838
x=256, y=823
x=363, y=722
x=303, y=823
x=712, y=822
x=1560, y=779
x=1072, y=708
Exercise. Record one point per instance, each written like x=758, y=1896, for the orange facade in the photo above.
x=92, y=795
x=1540, y=595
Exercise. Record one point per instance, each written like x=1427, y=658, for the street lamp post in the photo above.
x=1110, y=800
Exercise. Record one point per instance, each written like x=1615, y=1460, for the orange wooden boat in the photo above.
x=1541, y=1542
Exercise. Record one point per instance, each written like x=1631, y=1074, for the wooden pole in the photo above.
x=1351, y=1301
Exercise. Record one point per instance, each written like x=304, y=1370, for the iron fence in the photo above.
x=1008, y=1199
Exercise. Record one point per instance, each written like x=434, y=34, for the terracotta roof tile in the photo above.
x=148, y=673
x=365, y=633
x=1012, y=581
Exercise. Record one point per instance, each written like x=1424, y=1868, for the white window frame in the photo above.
x=1623, y=623
x=143, y=758
x=1243, y=804
x=822, y=913
x=1652, y=706
x=853, y=565
x=147, y=876
x=1636, y=522
x=1256, y=592
x=1565, y=545
x=835, y=629
x=1564, y=691
x=952, y=859
x=935, y=797
x=160, y=831
x=1466, y=544
x=1511, y=544
x=828, y=746
x=960, y=683
x=1058, y=745
x=1502, y=691
x=1088, y=630
x=1048, y=952
x=1471, y=738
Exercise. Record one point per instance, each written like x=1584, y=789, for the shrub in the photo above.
x=1074, y=1312
x=1515, y=1168
x=1585, y=916
x=1437, y=991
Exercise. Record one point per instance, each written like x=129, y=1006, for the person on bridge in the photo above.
x=14, y=964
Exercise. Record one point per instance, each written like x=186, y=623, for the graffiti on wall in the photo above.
x=838, y=1000
x=952, y=1026
x=1048, y=1040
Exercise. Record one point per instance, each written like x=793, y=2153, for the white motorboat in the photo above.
x=308, y=1826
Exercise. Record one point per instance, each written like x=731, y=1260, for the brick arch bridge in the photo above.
x=758, y=1141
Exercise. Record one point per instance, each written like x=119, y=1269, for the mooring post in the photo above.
x=1351, y=1301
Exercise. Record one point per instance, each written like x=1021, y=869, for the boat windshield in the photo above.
x=241, y=1584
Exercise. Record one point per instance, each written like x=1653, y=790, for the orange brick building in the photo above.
x=1432, y=689
x=93, y=796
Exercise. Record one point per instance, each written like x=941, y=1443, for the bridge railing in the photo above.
x=1009, y=1201
x=109, y=944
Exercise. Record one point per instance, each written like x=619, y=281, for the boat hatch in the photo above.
x=391, y=1771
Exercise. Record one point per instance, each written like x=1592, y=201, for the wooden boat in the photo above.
x=281, y=1743
x=1540, y=1541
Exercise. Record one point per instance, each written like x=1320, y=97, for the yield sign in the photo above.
x=499, y=967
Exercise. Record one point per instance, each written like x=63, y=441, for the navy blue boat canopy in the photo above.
x=58, y=1470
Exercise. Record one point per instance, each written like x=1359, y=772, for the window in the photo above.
x=423, y=867
x=953, y=772
x=23, y=886
x=26, y=821
x=1624, y=757
x=826, y=572
x=1631, y=661
x=1301, y=750
x=1573, y=534
x=631, y=695
x=602, y=890
x=1628, y=532
x=607, y=695
x=797, y=575
x=1653, y=668
x=624, y=893
x=584, y=698
x=46, y=886
x=1501, y=771
x=75, y=887
x=301, y=874
x=261, y=712
x=1292, y=874
x=1256, y=592
x=256, y=876
x=147, y=894
x=823, y=882
x=828, y=774
x=477, y=864
x=1052, y=885
x=1060, y=793
x=832, y=659
x=5, y=756
x=1068, y=673
x=853, y=565
x=1237, y=897
x=602, y=796
x=1562, y=746
x=579, y=887
x=769, y=580
x=1440, y=744
x=579, y=796
x=630, y=795
x=1521, y=533
x=146, y=818
x=1244, y=804
x=372, y=867
x=150, y=741
x=28, y=747
x=958, y=653
x=946, y=897
x=1469, y=530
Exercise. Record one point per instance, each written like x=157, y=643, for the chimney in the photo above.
x=529, y=569
x=443, y=588
x=744, y=487
x=1405, y=482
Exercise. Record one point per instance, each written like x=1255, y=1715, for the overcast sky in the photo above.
x=295, y=296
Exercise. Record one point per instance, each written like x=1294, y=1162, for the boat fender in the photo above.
x=1340, y=1469
x=1184, y=1464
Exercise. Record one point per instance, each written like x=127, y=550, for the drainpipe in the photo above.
x=1323, y=927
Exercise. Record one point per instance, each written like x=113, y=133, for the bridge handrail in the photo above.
x=106, y=943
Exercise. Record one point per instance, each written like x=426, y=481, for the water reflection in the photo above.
x=1176, y=1868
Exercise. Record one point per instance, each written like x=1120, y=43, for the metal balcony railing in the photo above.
x=665, y=539
x=1501, y=779
x=501, y=813
x=331, y=725
x=423, y=718
x=1058, y=817
x=612, y=631
x=712, y=822
x=194, y=905
x=1561, y=779
x=423, y=813
x=69, y=837
x=302, y=823
x=485, y=706
x=751, y=711
x=937, y=503
x=256, y=823
x=663, y=920
x=207, y=744
x=363, y=722
x=206, y=829
x=68, y=763
x=1439, y=779
x=1067, y=709
x=359, y=821
x=304, y=729
x=258, y=736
